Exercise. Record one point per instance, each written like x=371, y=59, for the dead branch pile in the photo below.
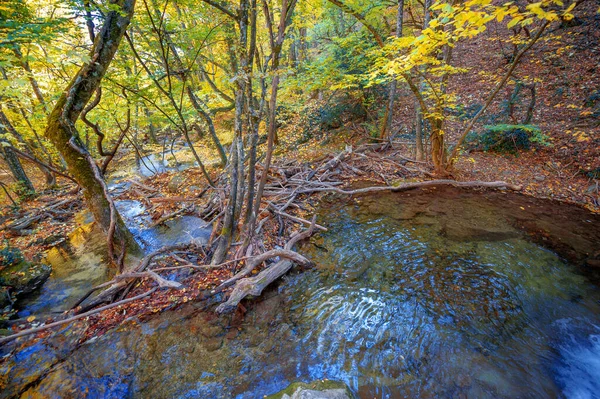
x=57, y=210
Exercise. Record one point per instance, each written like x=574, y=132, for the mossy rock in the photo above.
x=24, y=277
x=175, y=183
x=320, y=389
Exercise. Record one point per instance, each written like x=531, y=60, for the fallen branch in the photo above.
x=255, y=285
x=169, y=216
x=253, y=263
x=163, y=283
x=297, y=219
x=73, y=318
x=143, y=186
x=410, y=186
x=174, y=199
x=117, y=285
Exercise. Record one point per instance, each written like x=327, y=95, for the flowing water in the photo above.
x=81, y=262
x=438, y=293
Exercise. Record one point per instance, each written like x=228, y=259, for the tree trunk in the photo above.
x=236, y=175
x=151, y=127
x=62, y=133
x=389, y=111
x=27, y=147
x=276, y=47
x=209, y=122
x=34, y=84
x=438, y=148
x=10, y=157
x=419, y=151
x=419, y=122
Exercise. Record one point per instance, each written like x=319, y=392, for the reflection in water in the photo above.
x=435, y=300
x=81, y=262
x=77, y=266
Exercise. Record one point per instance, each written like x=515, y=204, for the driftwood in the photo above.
x=119, y=284
x=255, y=285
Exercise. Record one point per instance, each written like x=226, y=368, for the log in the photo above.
x=410, y=186
x=253, y=263
x=254, y=285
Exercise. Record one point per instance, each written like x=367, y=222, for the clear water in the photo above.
x=80, y=263
x=402, y=310
x=420, y=297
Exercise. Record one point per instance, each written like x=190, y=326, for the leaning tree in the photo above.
x=61, y=130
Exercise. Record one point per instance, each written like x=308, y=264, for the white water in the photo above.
x=579, y=369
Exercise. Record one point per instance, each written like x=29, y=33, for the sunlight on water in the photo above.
x=403, y=310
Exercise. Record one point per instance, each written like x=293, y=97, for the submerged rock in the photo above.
x=24, y=277
x=325, y=389
x=25, y=362
x=20, y=278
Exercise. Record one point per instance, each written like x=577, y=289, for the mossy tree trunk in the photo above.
x=61, y=129
x=10, y=157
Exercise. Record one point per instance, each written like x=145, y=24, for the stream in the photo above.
x=436, y=293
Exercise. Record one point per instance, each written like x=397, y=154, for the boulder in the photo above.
x=324, y=389
x=24, y=277
x=175, y=182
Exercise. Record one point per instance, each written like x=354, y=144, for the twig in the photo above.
x=300, y=220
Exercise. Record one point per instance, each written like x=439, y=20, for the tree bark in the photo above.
x=386, y=125
x=419, y=150
x=236, y=171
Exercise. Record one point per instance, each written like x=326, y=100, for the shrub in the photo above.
x=506, y=138
x=320, y=116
